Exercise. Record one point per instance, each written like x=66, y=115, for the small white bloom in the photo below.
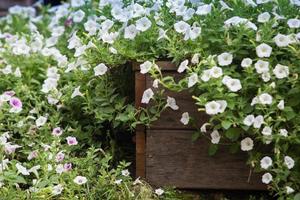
x=266, y=162
x=118, y=182
x=147, y=95
x=258, y=121
x=100, y=69
x=289, y=162
x=171, y=102
x=225, y=59
x=293, y=23
x=261, y=66
x=283, y=132
x=289, y=190
x=183, y=66
x=185, y=118
x=130, y=32
x=280, y=105
x=265, y=99
x=281, y=71
x=263, y=1
x=159, y=191
x=203, y=127
x=247, y=144
x=212, y=108
x=80, y=180
x=143, y=24
x=266, y=76
x=78, y=16
x=215, y=137
x=282, y=40
x=41, y=121
x=181, y=27
x=195, y=58
x=125, y=172
x=264, y=17
x=145, y=67
x=56, y=190
x=267, y=178
x=206, y=75
x=21, y=169
x=233, y=85
x=204, y=9
x=249, y=120
x=76, y=92
x=246, y=62
x=263, y=50
x=155, y=83
x=192, y=80
x=216, y=72
x=267, y=130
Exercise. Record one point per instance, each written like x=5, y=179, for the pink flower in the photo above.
x=71, y=140
x=68, y=166
x=59, y=157
x=57, y=131
x=68, y=22
x=32, y=155
x=10, y=93
x=15, y=103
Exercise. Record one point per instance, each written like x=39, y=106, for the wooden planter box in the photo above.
x=166, y=155
x=6, y=4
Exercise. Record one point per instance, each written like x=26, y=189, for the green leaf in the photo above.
x=297, y=196
x=233, y=133
x=212, y=150
x=195, y=136
x=226, y=124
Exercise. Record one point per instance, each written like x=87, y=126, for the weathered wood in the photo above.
x=5, y=4
x=174, y=160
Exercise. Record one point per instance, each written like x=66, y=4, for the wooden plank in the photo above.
x=5, y=4
x=174, y=160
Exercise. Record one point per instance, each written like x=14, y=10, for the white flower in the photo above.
x=113, y=50
x=225, y=59
x=76, y=92
x=216, y=72
x=249, y=120
x=143, y=24
x=147, y=95
x=289, y=162
x=283, y=132
x=155, y=83
x=246, y=62
x=125, y=172
x=205, y=75
x=281, y=71
x=267, y=130
x=181, y=27
x=80, y=180
x=195, y=58
x=247, y=144
x=40, y=121
x=204, y=9
x=192, y=80
x=171, y=102
x=263, y=50
x=293, y=23
x=266, y=76
x=118, y=182
x=77, y=3
x=264, y=17
x=265, y=99
x=215, y=107
x=59, y=169
x=130, y=32
x=282, y=40
x=159, y=191
x=145, y=67
x=215, y=137
x=258, y=121
x=22, y=169
x=266, y=162
x=280, y=105
x=56, y=190
x=185, y=118
x=183, y=66
x=263, y=1
x=261, y=66
x=232, y=84
x=203, y=127
x=267, y=178
x=100, y=69
x=78, y=16
x=289, y=190
x=223, y=105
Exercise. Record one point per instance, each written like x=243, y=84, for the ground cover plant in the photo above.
x=66, y=90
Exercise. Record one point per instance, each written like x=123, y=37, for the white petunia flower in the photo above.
x=293, y=23
x=215, y=137
x=192, y=80
x=265, y=99
x=143, y=24
x=78, y=16
x=171, y=102
x=185, y=118
x=181, y=27
x=130, y=32
x=246, y=62
x=264, y=17
x=232, y=84
x=263, y=1
x=203, y=127
x=77, y=3
x=289, y=162
x=100, y=69
x=125, y=172
x=145, y=67
x=247, y=144
x=282, y=40
x=183, y=66
x=204, y=9
x=266, y=76
x=225, y=59
x=159, y=191
x=267, y=178
x=22, y=170
x=283, y=132
x=258, y=121
x=206, y=75
x=155, y=83
x=249, y=120
x=267, y=130
x=280, y=105
x=281, y=71
x=118, y=182
x=56, y=190
x=215, y=107
x=147, y=95
x=261, y=66
x=263, y=50
x=80, y=180
x=216, y=72
x=76, y=92
x=40, y=121
x=195, y=58
x=289, y=190
x=266, y=162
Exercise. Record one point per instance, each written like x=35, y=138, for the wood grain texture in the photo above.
x=174, y=160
